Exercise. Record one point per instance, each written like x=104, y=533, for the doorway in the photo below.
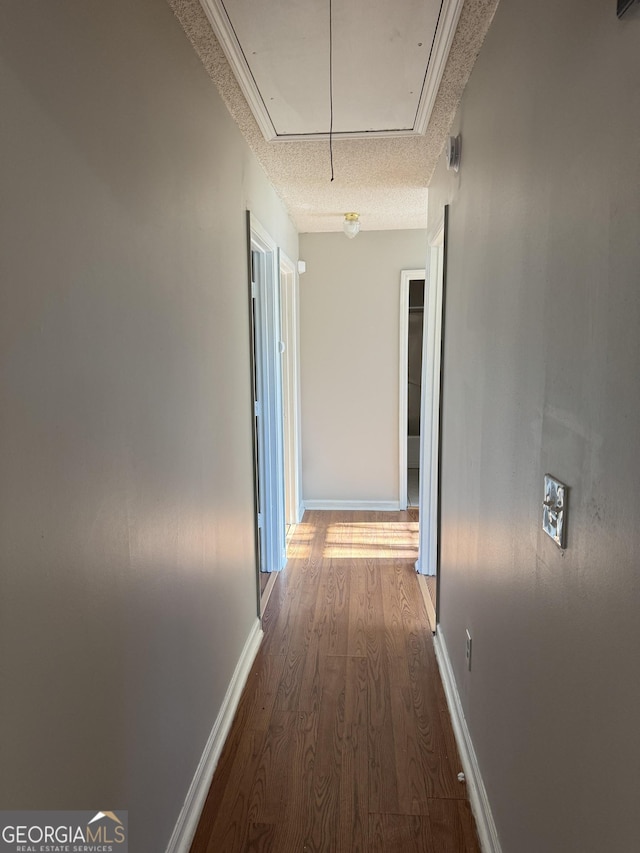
x=432, y=362
x=289, y=319
x=267, y=402
x=414, y=387
x=412, y=300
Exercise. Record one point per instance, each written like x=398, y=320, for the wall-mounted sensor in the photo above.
x=454, y=150
x=554, y=510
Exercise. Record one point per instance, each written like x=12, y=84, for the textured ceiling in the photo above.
x=385, y=180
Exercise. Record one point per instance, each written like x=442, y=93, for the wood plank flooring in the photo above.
x=342, y=740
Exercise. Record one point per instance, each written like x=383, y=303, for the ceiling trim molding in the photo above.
x=350, y=134
x=222, y=27
x=443, y=39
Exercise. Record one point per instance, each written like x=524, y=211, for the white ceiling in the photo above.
x=399, y=69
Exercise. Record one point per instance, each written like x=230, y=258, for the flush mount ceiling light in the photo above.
x=351, y=224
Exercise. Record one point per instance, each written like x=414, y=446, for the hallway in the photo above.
x=342, y=740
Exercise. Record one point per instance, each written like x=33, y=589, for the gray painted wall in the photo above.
x=127, y=576
x=349, y=351
x=542, y=374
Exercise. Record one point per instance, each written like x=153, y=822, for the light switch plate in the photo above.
x=554, y=510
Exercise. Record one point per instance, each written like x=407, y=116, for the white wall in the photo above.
x=349, y=328
x=542, y=374
x=127, y=571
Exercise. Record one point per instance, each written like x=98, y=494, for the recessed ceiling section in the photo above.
x=387, y=58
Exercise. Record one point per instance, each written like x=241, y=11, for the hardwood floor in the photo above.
x=342, y=741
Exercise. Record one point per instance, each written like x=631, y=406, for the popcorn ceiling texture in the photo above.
x=384, y=179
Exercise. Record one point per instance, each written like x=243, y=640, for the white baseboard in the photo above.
x=373, y=506
x=487, y=833
x=187, y=822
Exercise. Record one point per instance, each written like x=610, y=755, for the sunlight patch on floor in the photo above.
x=299, y=541
x=372, y=540
x=381, y=540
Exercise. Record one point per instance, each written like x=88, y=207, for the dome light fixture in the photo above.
x=351, y=224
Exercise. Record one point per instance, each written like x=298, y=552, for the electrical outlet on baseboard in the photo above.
x=468, y=653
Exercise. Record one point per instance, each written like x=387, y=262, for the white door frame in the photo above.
x=430, y=408
x=406, y=277
x=266, y=296
x=289, y=304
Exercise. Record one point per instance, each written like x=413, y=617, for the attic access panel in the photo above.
x=388, y=59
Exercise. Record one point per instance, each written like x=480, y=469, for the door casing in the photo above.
x=270, y=513
x=430, y=409
x=290, y=322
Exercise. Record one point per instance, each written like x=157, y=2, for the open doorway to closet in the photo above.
x=412, y=301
